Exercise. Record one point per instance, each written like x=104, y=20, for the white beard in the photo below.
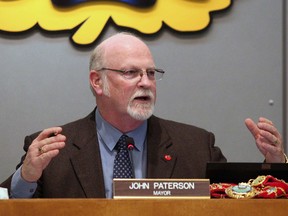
x=139, y=112
x=144, y=110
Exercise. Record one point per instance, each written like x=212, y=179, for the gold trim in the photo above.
x=248, y=191
x=258, y=181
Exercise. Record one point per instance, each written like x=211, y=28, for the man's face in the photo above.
x=134, y=97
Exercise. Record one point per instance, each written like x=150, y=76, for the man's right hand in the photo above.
x=42, y=150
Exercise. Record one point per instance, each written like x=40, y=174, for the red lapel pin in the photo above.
x=167, y=157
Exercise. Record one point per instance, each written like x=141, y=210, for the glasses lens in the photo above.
x=159, y=74
x=131, y=74
x=152, y=74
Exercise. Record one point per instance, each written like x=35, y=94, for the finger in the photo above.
x=52, y=143
x=271, y=140
x=51, y=147
x=57, y=138
x=48, y=144
x=268, y=125
x=250, y=124
x=42, y=139
x=48, y=156
x=268, y=138
x=265, y=120
x=47, y=133
x=270, y=129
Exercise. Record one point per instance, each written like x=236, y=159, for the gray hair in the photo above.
x=97, y=62
x=97, y=58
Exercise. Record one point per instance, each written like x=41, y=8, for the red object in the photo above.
x=266, y=187
x=130, y=147
x=168, y=157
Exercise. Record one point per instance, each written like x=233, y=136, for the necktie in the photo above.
x=122, y=164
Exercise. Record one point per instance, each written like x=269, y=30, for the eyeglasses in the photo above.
x=152, y=73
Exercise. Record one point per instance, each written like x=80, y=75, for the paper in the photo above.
x=4, y=193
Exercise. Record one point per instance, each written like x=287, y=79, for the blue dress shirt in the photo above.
x=108, y=137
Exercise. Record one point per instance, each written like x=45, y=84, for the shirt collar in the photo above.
x=110, y=135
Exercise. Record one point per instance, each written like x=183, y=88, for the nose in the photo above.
x=144, y=81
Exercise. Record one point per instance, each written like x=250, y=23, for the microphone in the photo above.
x=130, y=146
x=130, y=143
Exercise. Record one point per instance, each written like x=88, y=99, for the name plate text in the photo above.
x=161, y=188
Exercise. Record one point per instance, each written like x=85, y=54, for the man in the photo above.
x=123, y=79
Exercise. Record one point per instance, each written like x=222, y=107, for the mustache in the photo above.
x=143, y=93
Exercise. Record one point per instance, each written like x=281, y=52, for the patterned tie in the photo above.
x=122, y=164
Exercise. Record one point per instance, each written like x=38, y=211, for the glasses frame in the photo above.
x=123, y=72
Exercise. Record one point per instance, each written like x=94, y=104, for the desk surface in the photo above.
x=135, y=207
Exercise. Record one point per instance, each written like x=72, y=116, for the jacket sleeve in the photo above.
x=216, y=154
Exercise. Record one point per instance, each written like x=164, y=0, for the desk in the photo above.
x=159, y=207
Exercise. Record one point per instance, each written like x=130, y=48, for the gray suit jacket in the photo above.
x=77, y=171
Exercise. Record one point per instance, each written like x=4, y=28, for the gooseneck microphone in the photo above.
x=130, y=143
x=130, y=146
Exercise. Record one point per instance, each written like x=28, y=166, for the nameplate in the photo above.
x=161, y=188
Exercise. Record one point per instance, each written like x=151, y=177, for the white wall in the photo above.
x=214, y=80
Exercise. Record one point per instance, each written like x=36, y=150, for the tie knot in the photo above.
x=121, y=144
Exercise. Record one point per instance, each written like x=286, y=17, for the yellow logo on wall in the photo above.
x=87, y=18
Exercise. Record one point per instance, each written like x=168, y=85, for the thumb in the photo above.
x=252, y=127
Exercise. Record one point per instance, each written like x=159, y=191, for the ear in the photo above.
x=96, y=82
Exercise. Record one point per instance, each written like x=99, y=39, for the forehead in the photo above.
x=125, y=50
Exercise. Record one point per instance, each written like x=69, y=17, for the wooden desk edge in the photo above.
x=159, y=207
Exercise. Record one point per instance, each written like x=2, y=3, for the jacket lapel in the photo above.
x=86, y=161
x=161, y=156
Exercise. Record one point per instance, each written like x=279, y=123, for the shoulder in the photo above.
x=83, y=123
x=177, y=127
